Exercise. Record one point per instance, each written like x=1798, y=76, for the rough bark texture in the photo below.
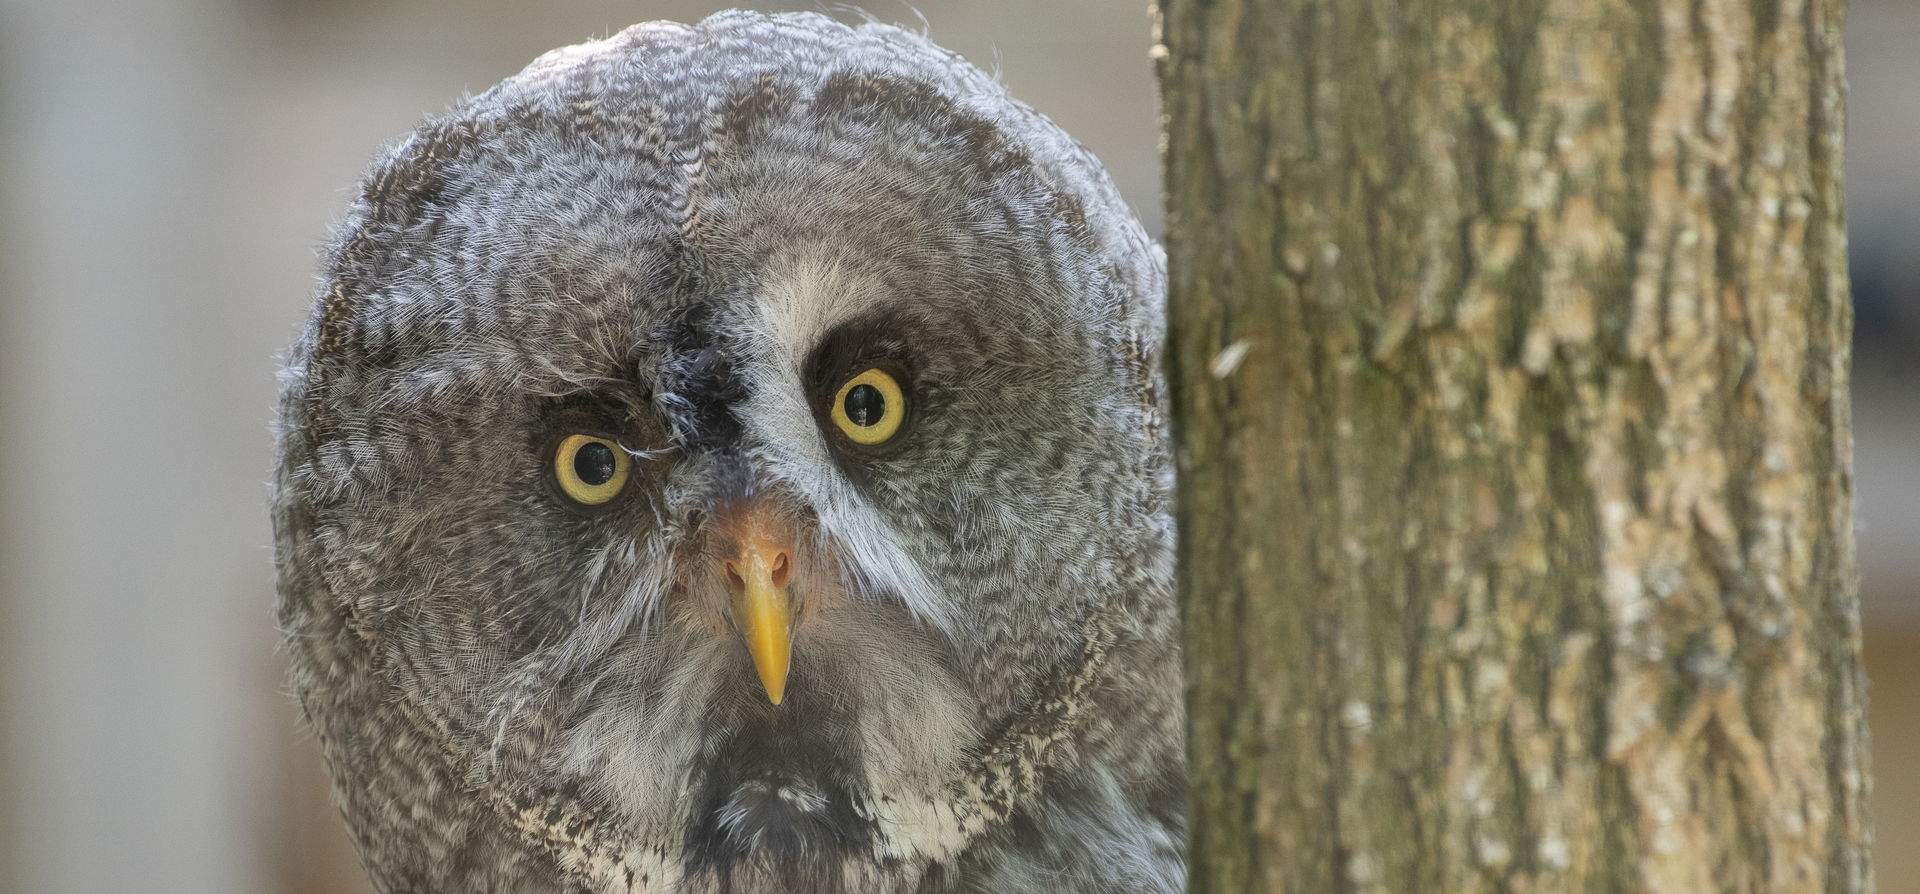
x=1510, y=364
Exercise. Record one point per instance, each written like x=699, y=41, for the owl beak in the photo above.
x=759, y=576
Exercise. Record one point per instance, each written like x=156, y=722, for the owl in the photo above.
x=730, y=458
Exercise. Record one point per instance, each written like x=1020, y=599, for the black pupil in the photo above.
x=865, y=405
x=593, y=464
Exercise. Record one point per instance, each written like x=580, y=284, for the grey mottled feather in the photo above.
x=656, y=234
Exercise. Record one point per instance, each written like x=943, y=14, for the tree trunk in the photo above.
x=1509, y=357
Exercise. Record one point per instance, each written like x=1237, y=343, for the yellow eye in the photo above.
x=869, y=408
x=590, y=470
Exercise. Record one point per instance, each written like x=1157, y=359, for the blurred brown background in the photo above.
x=166, y=171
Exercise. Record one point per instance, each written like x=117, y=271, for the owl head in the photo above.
x=729, y=457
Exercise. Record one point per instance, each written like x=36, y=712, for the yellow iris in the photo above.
x=869, y=408
x=590, y=470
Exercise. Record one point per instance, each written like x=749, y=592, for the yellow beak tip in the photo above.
x=773, y=676
x=769, y=640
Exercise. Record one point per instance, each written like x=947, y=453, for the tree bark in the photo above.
x=1509, y=351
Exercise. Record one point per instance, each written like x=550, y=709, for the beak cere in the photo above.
x=759, y=575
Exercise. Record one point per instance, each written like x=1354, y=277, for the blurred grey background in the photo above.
x=167, y=169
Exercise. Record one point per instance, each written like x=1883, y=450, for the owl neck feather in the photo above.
x=1008, y=774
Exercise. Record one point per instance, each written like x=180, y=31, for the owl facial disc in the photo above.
x=759, y=575
x=689, y=349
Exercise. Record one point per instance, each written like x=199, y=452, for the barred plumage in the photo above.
x=676, y=240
